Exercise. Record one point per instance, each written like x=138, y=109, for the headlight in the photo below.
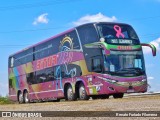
x=123, y=83
x=113, y=81
x=109, y=80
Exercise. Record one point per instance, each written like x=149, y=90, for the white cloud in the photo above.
x=150, y=78
x=156, y=43
x=95, y=18
x=41, y=19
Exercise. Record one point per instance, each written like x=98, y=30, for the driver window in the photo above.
x=96, y=65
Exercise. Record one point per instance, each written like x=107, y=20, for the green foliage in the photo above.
x=4, y=100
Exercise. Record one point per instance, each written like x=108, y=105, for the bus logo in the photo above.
x=6, y=114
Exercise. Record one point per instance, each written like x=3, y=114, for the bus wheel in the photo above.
x=82, y=92
x=94, y=97
x=104, y=96
x=20, y=98
x=70, y=94
x=25, y=97
x=118, y=95
x=57, y=100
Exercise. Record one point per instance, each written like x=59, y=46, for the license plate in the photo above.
x=130, y=91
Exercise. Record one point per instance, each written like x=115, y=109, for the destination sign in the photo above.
x=121, y=41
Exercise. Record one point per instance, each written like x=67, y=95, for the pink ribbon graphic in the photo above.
x=119, y=31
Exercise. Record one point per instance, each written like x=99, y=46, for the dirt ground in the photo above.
x=130, y=103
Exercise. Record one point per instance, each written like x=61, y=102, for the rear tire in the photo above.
x=118, y=95
x=70, y=95
x=82, y=93
x=20, y=98
x=25, y=97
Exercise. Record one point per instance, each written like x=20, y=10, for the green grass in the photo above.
x=5, y=100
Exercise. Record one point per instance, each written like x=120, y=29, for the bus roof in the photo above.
x=103, y=23
x=65, y=33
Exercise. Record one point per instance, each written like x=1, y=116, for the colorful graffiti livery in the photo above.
x=92, y=60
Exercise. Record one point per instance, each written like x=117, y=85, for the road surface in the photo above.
x=128, y=103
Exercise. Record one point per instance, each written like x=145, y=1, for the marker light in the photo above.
x=89, y=79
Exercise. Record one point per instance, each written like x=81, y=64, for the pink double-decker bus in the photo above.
x=92, y=60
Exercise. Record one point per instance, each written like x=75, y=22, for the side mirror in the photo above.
x=153, y=48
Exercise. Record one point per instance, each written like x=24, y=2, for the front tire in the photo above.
x=82, y=93
x=104, y=96
x=118, y=95
x=25, y=97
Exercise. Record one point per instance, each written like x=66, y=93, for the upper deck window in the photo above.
x=118, y=34
x=88, y=34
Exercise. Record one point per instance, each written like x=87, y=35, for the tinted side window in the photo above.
x=22, y=58
x=44, y=75
x=56, y=44
x=76, y=70
x=69, y=41
x=16, y=60
x=41, y=76
x=31, y=78
x=75, y=41
x=44, y=50
x=67, y=71
x=50, y=74
x=28, y=56
x=87, y=34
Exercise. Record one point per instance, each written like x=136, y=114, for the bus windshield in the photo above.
x=125, y=63
x=118, y=34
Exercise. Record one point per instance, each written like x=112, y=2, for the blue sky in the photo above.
x=24, y=23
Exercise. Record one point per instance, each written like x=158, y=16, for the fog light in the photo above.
x=111, y=88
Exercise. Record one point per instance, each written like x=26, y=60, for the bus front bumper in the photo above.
x=126, y=87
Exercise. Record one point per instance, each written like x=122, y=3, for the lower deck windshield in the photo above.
x=124, y=63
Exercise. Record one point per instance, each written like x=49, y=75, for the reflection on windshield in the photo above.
x=124, y=62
